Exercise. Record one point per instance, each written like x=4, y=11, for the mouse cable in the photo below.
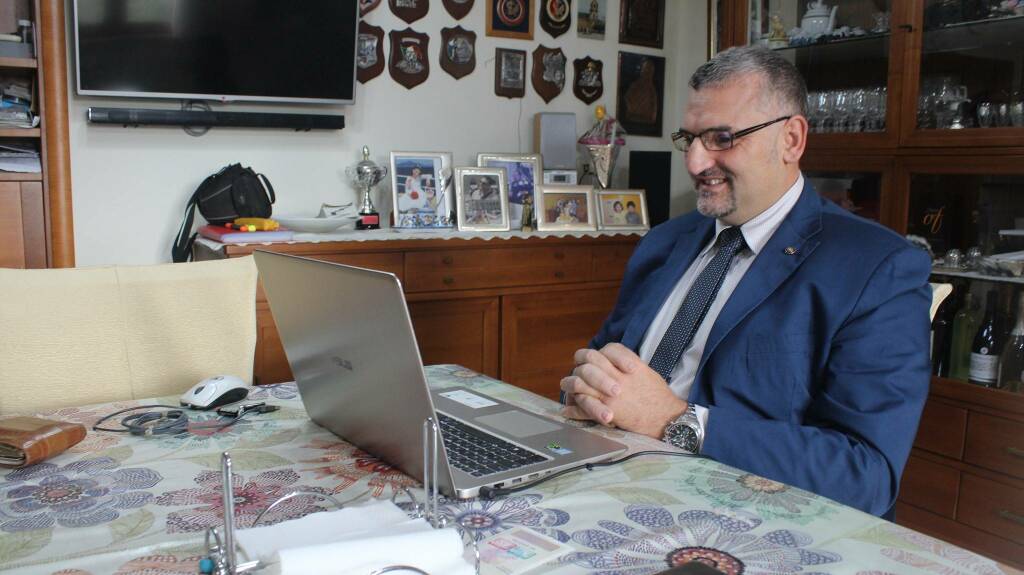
x=174, y=421
x=493, y=492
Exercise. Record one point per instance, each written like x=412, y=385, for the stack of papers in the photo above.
x=16, y=104
x=20, y=157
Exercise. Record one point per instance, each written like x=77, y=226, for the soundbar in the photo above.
x=139, y=116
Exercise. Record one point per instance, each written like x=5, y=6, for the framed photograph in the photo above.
x=510, y=19
x=421, y=189
x=481, y=198
x=510, y=73
x=642, y=22
x=566, y=208
x=621, y=210
x=641, y=97
x=590, y=19
x=524, y=177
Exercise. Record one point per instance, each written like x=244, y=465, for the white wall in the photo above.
x=130, y=185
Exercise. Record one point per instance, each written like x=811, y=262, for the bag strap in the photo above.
x=181, y=250
x=269, y=188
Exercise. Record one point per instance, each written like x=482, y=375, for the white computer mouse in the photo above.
x=215, y=391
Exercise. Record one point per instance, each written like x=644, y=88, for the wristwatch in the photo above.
x=685, y=431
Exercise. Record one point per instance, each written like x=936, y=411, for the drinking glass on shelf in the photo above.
x=984, y=114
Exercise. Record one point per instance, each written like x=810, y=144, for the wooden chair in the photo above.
x=90, y=335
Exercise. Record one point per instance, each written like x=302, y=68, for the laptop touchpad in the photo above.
x=517, y=423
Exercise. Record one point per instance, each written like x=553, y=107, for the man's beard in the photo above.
x=716, y=204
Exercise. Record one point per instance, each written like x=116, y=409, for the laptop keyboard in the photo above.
x=479, y=453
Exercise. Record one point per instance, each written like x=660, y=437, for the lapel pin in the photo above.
x=790, y=250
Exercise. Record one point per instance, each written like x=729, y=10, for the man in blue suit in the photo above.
x=770, y=330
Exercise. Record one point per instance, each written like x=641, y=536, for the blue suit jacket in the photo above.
x=816, y=370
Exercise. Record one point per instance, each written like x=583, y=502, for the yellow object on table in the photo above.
x=256, y=224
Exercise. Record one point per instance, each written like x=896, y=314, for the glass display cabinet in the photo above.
x=917, y=121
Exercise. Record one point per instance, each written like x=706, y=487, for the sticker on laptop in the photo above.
x=468, y=399
x=556, y=448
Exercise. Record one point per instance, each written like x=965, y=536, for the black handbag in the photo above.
x=233, y=192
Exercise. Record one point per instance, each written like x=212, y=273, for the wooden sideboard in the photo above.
x=512, y=308
x=964, y=482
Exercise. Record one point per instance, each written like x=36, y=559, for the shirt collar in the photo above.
x=759, y=229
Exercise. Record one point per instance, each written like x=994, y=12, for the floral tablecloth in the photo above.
x=121, y=504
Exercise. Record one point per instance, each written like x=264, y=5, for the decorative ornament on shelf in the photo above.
x=365, y=175
x=818, y=19
x=602, y=142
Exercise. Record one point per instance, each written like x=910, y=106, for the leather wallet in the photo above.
x=28, y=440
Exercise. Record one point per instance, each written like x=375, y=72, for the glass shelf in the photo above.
x=849, y=43
x=989, y=35
x=977, y=276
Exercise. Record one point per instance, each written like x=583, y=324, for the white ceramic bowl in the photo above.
x=315, y=225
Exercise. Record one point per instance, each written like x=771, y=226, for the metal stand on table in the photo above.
x=222, y=554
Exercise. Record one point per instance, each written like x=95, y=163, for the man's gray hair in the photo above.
x=780, y=80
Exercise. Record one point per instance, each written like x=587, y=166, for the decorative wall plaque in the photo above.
x=510, y=18
x=548, y=72
x=555, y=16
x=458, y=51
x=588, y=81
x=408, y=61
x=409, y=10
x=641, y=93
x=510, y=73
x=642, y=22
x=458, y=8
x=370, y=55
x=367, y=6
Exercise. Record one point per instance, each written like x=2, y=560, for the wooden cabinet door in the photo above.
x=22, y=225
x=541, y=331
x=462, y=331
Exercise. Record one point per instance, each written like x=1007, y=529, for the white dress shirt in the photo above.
x=756, y=233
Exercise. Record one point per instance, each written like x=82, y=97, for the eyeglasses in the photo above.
x=716, y=140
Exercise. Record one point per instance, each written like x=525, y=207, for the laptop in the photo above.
x=350, y=342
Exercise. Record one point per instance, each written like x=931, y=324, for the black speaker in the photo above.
x=652, y=172
x=202, y=118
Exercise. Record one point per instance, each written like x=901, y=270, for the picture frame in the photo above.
x=509, y=73
x=591, y=17
x=481, y=198
x=510, y=19
x=523, y=176
x=614, y=213
x=642, y=22
x=566, y=208
x=421, y=191
x=640, y=103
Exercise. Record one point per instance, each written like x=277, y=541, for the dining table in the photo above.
x=123, y=504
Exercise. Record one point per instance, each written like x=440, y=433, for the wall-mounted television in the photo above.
x=299, y=51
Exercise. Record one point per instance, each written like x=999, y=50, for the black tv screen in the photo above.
x=252, y=50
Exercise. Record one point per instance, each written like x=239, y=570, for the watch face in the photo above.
x=684, y=437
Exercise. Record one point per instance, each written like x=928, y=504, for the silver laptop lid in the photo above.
x=332, y=319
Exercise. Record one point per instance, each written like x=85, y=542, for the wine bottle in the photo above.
x=1011, y=366
x=986, y=346
x=942, y=333
x=965, y=325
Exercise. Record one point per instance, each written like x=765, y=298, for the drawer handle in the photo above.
x=448, y=280
x=559, y=274
x=1014, y=451
x=559, y=256
x=447, y=260
x=1011, y=516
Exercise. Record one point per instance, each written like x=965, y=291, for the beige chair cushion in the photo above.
x=87, y=335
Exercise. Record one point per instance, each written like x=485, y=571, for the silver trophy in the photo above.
x=365, y=175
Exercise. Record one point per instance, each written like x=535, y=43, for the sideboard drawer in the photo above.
x=496, y=267
x=992, y=507
x=610, y=261
x=930, y=486
x=995, y=443
x=942, y=429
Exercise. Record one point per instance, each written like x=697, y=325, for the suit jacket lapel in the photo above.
x=772, y=266
x=685, y=250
